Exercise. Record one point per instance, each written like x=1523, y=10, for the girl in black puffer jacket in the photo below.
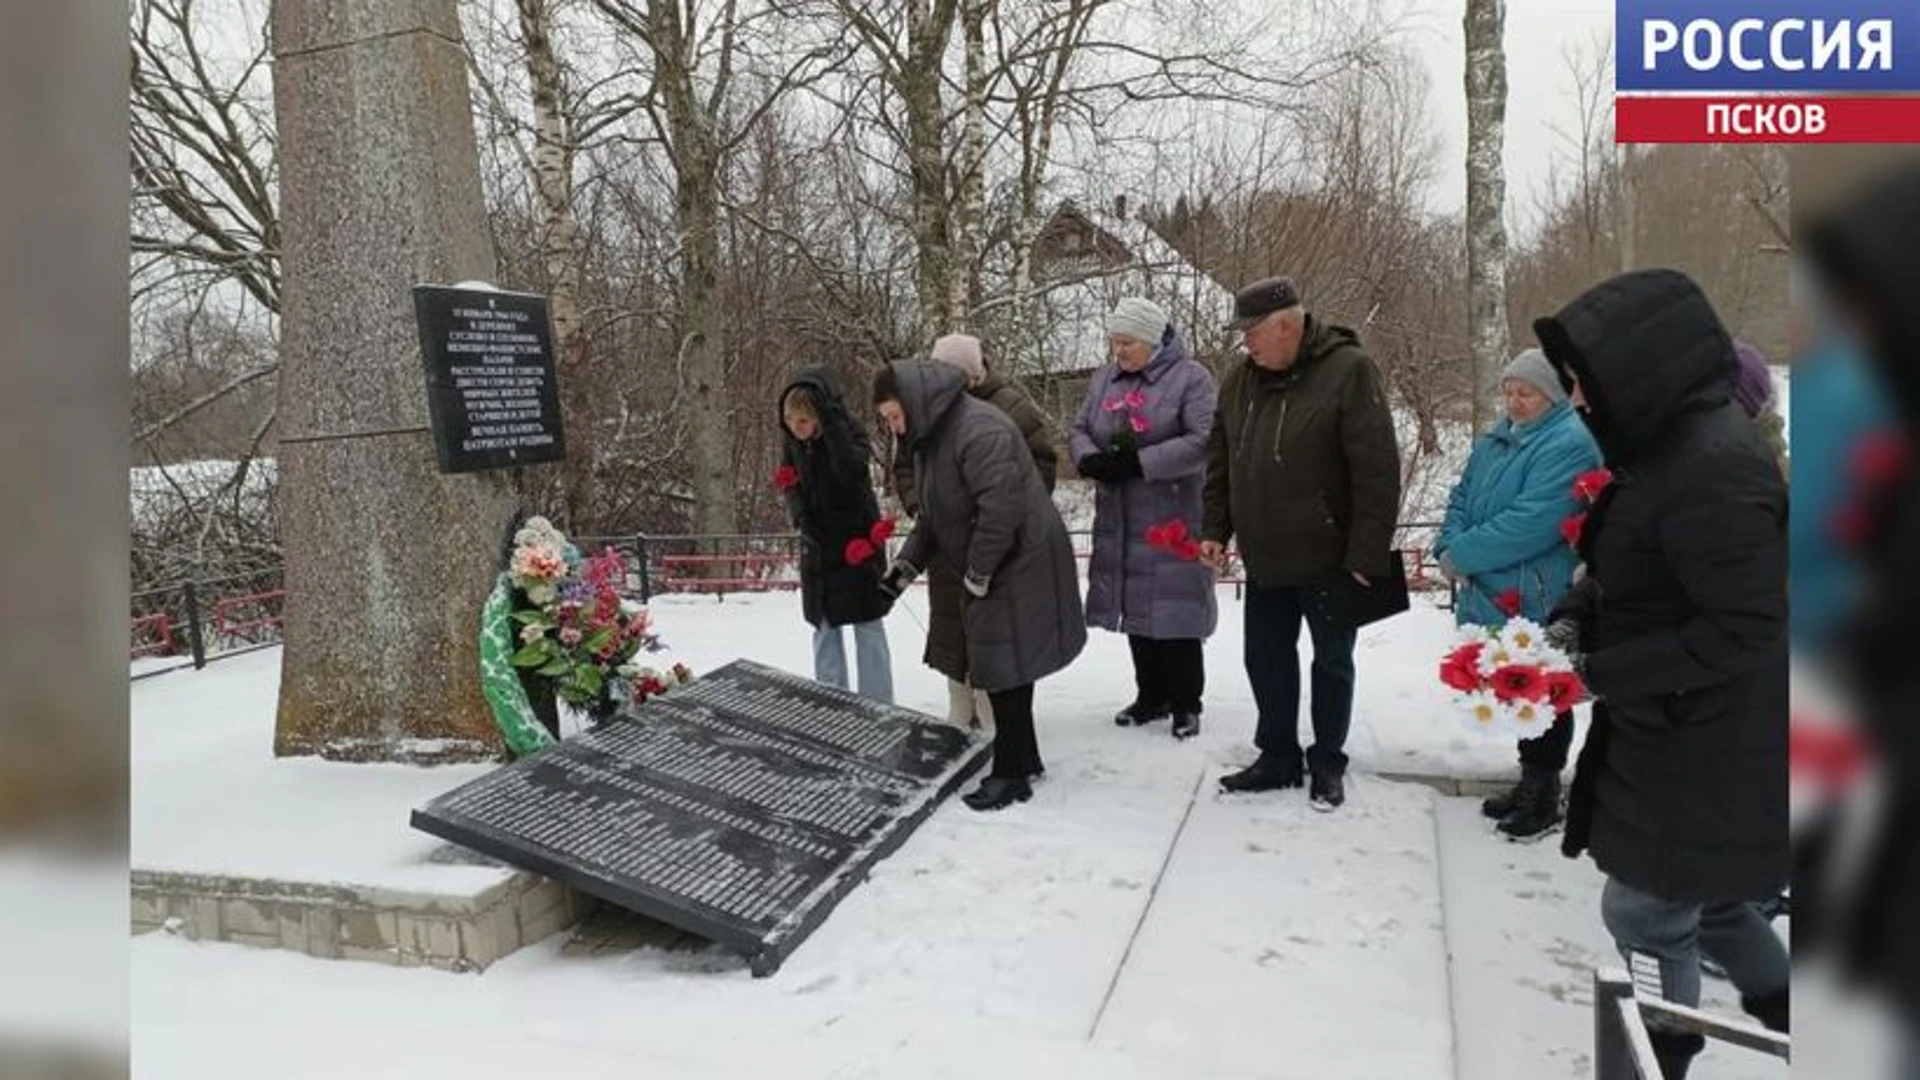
x=824, y=472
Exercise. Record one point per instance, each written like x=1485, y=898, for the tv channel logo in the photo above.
x=1767, y=71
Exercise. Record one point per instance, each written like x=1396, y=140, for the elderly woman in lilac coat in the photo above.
x=1142, y=436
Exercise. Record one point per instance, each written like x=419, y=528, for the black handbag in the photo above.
x=1346, y=602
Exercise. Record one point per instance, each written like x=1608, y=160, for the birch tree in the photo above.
x=712, y=81
x=1486, y=87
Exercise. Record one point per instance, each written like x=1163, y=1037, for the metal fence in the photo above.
x=1622, y=1049
x=763, y=562
x=192, y=623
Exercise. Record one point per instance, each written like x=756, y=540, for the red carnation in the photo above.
x=1519, y=682
x=1831, y=754
x=859, y=550
x=785, y=477
x=1188, y=550
x=1573, y=528
x=881, y=532
x=1508, y=602
x=1564, y=690
x=1879, y=459
x=1460, y=677
x=1157, y=536
x=1461, y=669
x=1588, y=485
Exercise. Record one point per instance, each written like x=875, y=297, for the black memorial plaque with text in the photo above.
x=492, y=396
x=741, y=807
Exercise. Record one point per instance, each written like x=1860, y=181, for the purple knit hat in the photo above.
x=1752, y=378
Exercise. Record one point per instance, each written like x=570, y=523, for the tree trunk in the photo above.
x=1629, y=225
x=560, y=247
x=1486, y=87
x=696, y=162
x=926, y=165
x=973, y=190
x=387, y=560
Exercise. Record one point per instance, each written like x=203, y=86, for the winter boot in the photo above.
x=1675, y=1052
x=1499, y=806
x=1186, y=723
x=1141, y=712
x=998, y=793
x=1769, y=1009
x=1536, y=805
x=1265, y=774
x=1328, y=792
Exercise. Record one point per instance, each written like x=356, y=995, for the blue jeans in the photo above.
x=870, y=650
x=1274, y=615
x=1662, y=941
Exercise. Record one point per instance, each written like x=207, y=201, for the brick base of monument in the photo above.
x=448, y=931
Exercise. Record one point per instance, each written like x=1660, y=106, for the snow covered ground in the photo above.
x=1128, y=922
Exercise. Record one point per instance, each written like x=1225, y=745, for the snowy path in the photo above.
x=1279, y=931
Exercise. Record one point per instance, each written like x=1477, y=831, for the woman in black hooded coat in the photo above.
x=830, y=496
x=1680, y=631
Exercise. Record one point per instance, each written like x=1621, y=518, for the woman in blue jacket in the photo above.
x=1502, y=539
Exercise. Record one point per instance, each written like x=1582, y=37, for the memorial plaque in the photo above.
x=492, y=396
x=741, y=807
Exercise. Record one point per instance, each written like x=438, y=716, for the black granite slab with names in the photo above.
x=741, y=807
x=493, y=398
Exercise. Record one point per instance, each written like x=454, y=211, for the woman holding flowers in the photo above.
x=1680, y=632
x=1142, y=438
x=843, y=538
x=1504, y=546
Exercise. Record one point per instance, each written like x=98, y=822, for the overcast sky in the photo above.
x=1540, y=90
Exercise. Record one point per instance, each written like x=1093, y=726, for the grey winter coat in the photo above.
x=1132, y=586
x=984, y=509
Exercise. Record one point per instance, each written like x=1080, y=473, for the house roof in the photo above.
x=1131, y=260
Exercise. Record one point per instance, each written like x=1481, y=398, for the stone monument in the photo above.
x=387, y=560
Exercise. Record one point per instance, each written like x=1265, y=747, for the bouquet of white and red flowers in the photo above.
x=1509, y=681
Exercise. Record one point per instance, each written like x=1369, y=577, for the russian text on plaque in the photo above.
x=742, y=807
x=492, y=394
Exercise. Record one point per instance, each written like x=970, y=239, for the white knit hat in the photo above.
x=1138, y=318
x=961, y=351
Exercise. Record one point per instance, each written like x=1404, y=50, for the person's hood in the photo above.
x=1647, y=347
x=928, y=392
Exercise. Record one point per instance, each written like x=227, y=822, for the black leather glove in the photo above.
x=898, y=576
x=1126, y=464
x=1098, y=466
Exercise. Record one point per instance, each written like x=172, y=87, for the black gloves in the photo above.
x=898, y=577
x=1112, y=466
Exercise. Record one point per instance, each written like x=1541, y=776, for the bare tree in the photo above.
x=1486, y=87
x=201, y=144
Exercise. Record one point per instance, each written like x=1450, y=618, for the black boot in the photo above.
x=1186, y=723
x=1141, y=712
x=1328, y=792
x=1769, y=1009
x=1536, y=805
x=1499, y=806
x=998, y=792
x=1266, y=774
x=1675, y=1052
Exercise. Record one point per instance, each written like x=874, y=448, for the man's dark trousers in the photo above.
x=1274, y=614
